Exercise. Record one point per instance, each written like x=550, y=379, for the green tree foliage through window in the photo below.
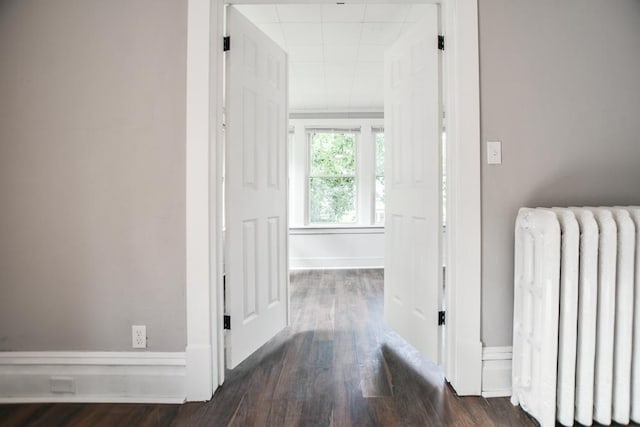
x=332, y=182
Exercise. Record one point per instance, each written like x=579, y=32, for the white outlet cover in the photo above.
x=139, y=336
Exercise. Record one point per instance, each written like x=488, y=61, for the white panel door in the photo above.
x=413, y=268
x=256, y=188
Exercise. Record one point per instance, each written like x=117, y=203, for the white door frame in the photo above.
x=204, y=354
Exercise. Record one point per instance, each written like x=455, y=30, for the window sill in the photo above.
x=337, y=229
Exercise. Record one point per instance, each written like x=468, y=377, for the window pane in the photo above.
x=379, y=218
x=332, y=200
x=333, y=154
x=380, y=153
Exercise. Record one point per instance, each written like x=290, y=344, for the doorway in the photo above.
x=464, y=354
x=405, y=41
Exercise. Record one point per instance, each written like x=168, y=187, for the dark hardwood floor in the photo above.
x=336, y=365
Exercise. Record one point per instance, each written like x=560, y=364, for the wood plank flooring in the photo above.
x=336, y=365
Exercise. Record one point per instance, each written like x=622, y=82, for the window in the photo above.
x=378, y=137
x=336, y=173
x=332, y=177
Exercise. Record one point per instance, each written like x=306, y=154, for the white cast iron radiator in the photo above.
x=576, y=326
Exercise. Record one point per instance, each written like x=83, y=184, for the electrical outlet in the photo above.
x=139, y=336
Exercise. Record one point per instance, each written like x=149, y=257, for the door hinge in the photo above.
x=441, y=42
x=226, y=321
x=226, y=43
x=441, y=318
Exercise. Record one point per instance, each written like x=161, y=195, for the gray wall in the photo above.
x=92, y=173
x=560, y=87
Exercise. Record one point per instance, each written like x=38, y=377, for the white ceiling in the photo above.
x=336, y=51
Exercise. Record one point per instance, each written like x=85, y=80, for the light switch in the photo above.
x=494, y=152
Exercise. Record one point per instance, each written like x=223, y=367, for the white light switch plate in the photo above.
x=494, y=152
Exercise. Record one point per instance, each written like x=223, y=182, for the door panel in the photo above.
x=256, y=194
x=413, y=270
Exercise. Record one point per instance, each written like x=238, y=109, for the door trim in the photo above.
x=463, y=358
x=203, y=199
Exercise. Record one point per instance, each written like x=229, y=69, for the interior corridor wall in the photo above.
x=559, y=87
x=92, y=174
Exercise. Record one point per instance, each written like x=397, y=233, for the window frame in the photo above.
x=374, y=132
x=362, y=124
x=309, y=132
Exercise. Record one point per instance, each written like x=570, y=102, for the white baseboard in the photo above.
x=334, y=263
x=496, y=371
x=119, y=377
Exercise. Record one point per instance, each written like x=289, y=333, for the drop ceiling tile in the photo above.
x=341, y=33
x=306, y=53
x=340, y=67
x=339, y=77
x=361, y=102
x=340, y=53
x=339, y=102
x=299, y=12
x=337, y=91
x=364, y=86
x=386, y=13
x=371, y=52
x=377, y=101
x=342, y=93
x=307, y=101
x=370, y=71
x=343, y=12
x=299, y=33
x=259, y=13
x=306, y=71
x=315, y=91
x=308, y=91
x=358, y=93
x=418, y=11
x=380, y=33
